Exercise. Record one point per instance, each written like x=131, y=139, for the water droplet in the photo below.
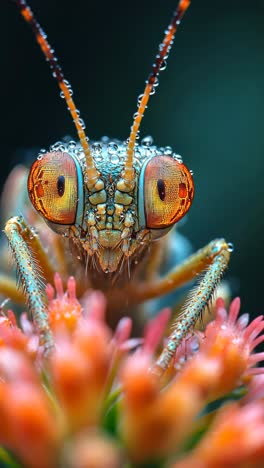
x=81, y=123
x=72, y=144
x=139, y=99
x=112, y=147
x=243, y=320
x=42, y=151
x=230, y=247
x=195, y=346
x=147, y=141
x=177, y=157
x=105, y=139
x=115, y=159
x=163, y=65
x=62, y=95
x=168, y=150
x=191, y=172
x=97, y=148
x=156, y=83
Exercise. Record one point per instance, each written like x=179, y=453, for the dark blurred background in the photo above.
x=209, y=106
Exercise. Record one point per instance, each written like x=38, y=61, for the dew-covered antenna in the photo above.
x=92, y=174
x=151, y=84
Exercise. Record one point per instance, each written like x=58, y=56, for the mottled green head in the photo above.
x=110, y=221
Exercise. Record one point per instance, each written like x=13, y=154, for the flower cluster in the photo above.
x=95, y=401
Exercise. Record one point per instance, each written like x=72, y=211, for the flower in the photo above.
x=96, y=402
x=236, y=438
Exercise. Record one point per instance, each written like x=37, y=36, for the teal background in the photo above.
x=209, y=106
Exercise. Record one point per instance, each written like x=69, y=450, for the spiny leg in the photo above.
x=216, y=263
x=180, y=275
x=20, y=237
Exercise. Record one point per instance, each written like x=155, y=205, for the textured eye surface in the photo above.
x=53, y=187
x=168, y=192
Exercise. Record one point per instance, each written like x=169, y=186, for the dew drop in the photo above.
x=168, y=150
x=163, y=65
x=81, y=123
x=105, y=139
x=139, y=99
x=230, y=247
x=115, y=159
x=97, y=148
x=147, y=141
x=156, y=83
x=177, y=157
x=72, y=144
x=41, y=152
x=243, y=321
x=112, y=148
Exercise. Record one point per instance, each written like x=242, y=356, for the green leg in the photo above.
x=216, y=255
x=30, y=277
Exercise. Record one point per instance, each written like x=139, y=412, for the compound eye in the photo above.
x=53, y=187
x=168, y=192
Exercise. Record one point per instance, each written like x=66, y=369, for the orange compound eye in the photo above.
x=168, y=192
x=53, y=187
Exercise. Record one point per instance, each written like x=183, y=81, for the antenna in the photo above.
x=151, y=83
x=66, y=91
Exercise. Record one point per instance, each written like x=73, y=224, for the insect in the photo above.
x=111, y=205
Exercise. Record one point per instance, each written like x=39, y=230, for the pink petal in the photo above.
x=58, y=285
x=71, y=287
x=123, y=331
x=234, y=310
x=155, y=329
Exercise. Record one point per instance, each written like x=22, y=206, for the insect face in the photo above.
x=110, y=224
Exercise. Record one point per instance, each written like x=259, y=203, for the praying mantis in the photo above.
x=111, y=206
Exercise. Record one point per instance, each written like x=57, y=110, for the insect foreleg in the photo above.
x=181, y=274
x=22, y=242
x=199, y=297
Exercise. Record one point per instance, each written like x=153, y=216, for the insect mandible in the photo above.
x=111, y=205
